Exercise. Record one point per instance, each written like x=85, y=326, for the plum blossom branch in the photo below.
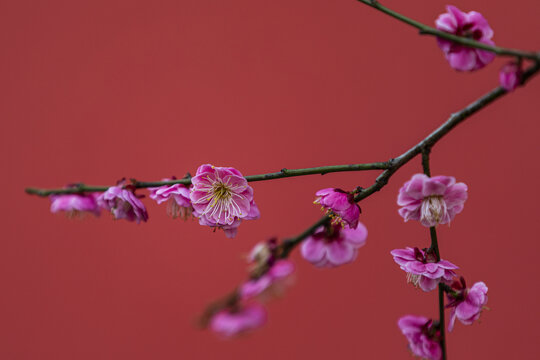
x=127, y=205
x=284, y=173
x=428, y=30
x=428, y=142
x=424, y=148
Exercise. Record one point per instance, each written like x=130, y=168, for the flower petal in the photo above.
x=313, y=250
x=340, y=252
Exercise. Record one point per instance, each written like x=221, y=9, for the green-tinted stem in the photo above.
x=428, y=30
x=425, y=161
x=288, y=245
x=284, y=173
x=430, y=140
x=434, y=243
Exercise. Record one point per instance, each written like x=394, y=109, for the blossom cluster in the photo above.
x=433, y=201
x=221, y=198
x=333, y=244
x=269, y=275
x=218, y=196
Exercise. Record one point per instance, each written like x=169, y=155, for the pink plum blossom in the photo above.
x=271, y=280
x=231, y=322
x=510, y=76
x=471, y=25
x=263, y=253
x=177, y=198
x=75, y=204
x=123, y=204
x=333, y=245
x=221, y=198
x=431, y=200
x=423, y=336
x=466, y=304
x=339, y=205
x=268, y=272
x=422, y=267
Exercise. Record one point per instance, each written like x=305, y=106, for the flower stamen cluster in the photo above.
x=433, y=209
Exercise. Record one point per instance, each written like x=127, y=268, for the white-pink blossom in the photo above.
x=431, y=200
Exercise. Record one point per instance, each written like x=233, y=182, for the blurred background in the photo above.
x=93, y=91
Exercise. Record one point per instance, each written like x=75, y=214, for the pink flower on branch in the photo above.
x=334, y=245
x=431, y=201
x=510, y=76
x=221, y=198
x=238, y=319
x=339, y=205
x=75, y=204
x=471, y=25
x=422, y=267
x=123, y=204
x=269, y=274
x=272, y=282
x=423, y=336
x=466, y=304
x=177, y=198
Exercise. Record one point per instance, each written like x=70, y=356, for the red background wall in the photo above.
x=96, y=90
